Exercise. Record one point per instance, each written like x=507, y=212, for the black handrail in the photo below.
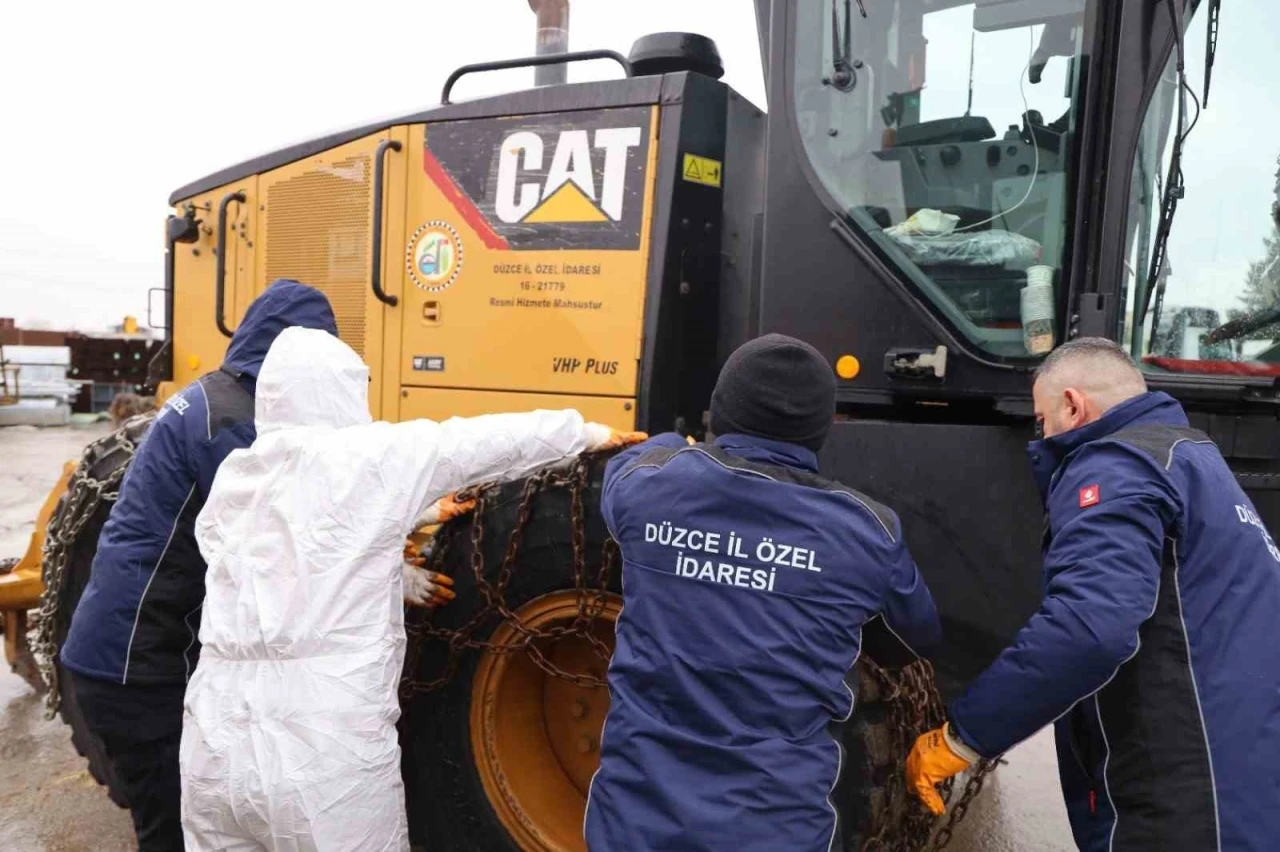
x=161, y=363
x=177, y=229
x=532, y=62
x=219, y=289
x=379, y=167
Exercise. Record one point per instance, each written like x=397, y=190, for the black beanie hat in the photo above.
x=775, y=387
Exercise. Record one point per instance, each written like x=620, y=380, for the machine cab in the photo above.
x=995, y=177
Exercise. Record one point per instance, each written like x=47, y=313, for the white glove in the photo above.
x=423, y=587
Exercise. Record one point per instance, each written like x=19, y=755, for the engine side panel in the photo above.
x=316, y=224
x=443, y=403
x=526, y=249
x=198, y=345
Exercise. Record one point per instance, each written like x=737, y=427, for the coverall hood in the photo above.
x=285, y=303
x=311, y=378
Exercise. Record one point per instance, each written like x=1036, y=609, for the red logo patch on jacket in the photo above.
x=1090, y=495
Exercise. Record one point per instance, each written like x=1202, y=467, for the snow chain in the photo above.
x=909, y=694
x=913, y=707
x=75, y=509
x=591, y=597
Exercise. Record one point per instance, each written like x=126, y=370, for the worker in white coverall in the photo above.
x=289, y=739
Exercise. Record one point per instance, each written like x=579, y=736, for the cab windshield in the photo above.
x=944, y=133
x=1214, y=306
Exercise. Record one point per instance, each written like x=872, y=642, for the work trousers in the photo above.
x=140, y=728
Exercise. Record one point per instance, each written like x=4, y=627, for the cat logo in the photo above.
x=585, y=182
x=539, y=182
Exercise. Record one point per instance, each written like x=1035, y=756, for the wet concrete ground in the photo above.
x=49, y=803
x=1020, y=808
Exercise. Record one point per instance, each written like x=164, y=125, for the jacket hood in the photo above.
x=285, y=303
x=768, y=451
x=1048, y=454
x=311, y=378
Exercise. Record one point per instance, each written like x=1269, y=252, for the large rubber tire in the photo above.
x=447, y=805
x=103, y=457
x=865, y=790
x=448, y=808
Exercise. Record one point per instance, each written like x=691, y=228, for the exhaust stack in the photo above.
x=552, y=37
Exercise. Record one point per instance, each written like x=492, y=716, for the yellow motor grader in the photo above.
x=605, y=245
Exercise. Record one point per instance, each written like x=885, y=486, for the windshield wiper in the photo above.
x=1210, y=46
x=1241, y=326
x=844, y=73
x=1174, y=188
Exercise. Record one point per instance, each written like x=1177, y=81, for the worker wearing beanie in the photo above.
x=748, y=581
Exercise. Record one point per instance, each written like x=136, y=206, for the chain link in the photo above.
x=591, y=596
x=971, y=790
x=913, y=706
x=76, y=508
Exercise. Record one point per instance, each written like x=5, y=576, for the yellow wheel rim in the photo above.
x=535, y=737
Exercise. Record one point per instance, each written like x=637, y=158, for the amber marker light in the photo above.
x=848, y=367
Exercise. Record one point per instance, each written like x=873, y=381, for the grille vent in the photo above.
x=318, y=233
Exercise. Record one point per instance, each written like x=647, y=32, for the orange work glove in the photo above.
x=412, y=556
x=601, y=437
x=443, y=510
x=936, y=756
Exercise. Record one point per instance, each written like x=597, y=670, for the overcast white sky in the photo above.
x=107, y=107
x=1230, y=160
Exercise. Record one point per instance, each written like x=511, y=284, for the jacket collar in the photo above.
x=766, y=451
x=1048, y=454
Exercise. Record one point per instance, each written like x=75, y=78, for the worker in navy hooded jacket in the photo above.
x=132, y=645
x=1155, y=648
x=748, y=580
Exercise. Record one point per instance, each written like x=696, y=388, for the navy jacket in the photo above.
x=139, y=617
x=1155, y=648
x=747, y=582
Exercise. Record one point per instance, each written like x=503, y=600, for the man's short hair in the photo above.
x=1107, y=356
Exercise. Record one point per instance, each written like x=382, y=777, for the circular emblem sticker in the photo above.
x=434, y=256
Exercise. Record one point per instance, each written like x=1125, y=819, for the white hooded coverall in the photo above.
x=289, y=739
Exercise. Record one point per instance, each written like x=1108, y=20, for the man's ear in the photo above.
x=1075, y=407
